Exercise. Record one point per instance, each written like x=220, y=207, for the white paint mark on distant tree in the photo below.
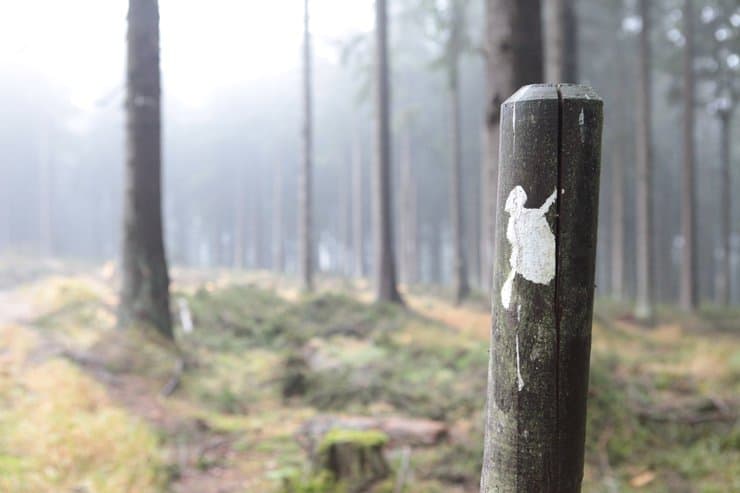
x=532, y=242
x=186, y=319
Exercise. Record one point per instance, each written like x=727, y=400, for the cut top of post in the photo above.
x=553, y=91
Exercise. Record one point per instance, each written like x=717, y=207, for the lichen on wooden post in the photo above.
x=543, y=284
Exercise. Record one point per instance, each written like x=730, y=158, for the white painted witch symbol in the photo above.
x=532, y=242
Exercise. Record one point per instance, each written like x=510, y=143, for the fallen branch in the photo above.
x=174, y=381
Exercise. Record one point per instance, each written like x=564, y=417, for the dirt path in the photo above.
x=199, y=457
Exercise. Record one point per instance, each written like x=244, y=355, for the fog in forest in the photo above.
x=260, y=196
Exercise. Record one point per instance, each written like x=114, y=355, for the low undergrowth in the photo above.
x=662, y=402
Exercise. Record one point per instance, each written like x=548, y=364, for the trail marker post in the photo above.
x=543, y=289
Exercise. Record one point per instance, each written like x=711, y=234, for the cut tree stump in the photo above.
x=353, y=457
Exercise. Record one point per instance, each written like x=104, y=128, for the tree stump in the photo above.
x=354, y=457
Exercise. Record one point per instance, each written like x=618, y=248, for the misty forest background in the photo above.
x=231, y=167
x=326, y=226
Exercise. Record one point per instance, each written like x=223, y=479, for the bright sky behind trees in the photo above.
x=206, y=46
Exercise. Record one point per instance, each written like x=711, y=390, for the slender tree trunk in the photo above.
x=413, y=240
x=689, y=294
x=145, y=291
x=461, y=287
x=358, y=207
x=617, y=243
x=725, y=268
x=345, y=226
x=385, y=270
x=278, y=241
x=305, y=261
x=644, y=189
x=405, y=198
x=514, y=59
x=561, y=44
x=240, y=205
x=45, y=195
x=486, y=195
x=435, y=253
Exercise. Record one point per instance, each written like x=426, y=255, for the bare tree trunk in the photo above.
x=486, y=195
x=305, y=262
x=145, y=296
x=240, y=205
x=514, y=59
x=561, y=44
x=385, y=270
x=278, y=242
x=413, y=231
x=405, y=198
x=345, y=220
x=723, y=285
x=45, y=192
x=461, y=287
x=435, y=253
x=358, y=207
x=617, y=243
x=689, y=295
x=644, y=189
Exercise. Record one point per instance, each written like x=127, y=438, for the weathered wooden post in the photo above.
x=543, y=286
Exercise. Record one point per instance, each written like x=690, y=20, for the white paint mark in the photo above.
x=582, y=126
x=518, y=313
x=532, y=242
x=186, y=320
x=519, y=379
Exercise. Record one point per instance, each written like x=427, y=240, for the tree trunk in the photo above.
x=240, y=205
x=358, y=206
x=644, y=189
x=407, y=209
x=486, y=201
x=145, y=291
x=725, y=267
x=689, y=295
x=617, y=240
x=461, y=287
x=45, y=195
x=278, y=242
x=345, y=220
x=561, y=43
x=514, y=59
x=385, y=270
x=305, y=250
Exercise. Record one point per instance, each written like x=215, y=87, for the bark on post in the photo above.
x=543, y=286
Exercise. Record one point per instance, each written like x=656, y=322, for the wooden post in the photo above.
x=543, y=287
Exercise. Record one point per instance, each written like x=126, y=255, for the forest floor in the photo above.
x=85, y=408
